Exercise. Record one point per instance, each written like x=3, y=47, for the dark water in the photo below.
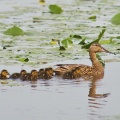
x=58, y=99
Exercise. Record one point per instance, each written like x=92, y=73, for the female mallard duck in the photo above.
x=46, y=73
x=18, y=75
x=33, y=76
x=71, y=71
x=4, y=74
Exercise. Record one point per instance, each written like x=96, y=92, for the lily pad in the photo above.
x=14, y=31
x=67, y=42
x=116, y=19
x=92, y=17
x=24, y=59
x=55, y=9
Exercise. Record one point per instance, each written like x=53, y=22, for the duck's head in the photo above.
x=95, y=47
x=5, y=74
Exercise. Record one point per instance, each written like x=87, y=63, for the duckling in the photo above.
x=18, y=75
x=95, y=70
x=46, y=73
x=41, y=73
x=4, y=74
x=33, y=76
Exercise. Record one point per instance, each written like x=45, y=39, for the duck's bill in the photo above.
x=104, y=50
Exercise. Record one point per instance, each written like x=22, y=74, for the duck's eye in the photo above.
x=95, y=44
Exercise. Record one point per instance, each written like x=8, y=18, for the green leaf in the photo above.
x=116, y=19
x=55, y=9
x=86, y=46
x=67, y=42
x=107, y=41
x=118, y=37
x=14, y=31
x=76, y=36
x=92, y=17
x=24, y=59
x=62, y=48
x=100, y=59
x=82, y=42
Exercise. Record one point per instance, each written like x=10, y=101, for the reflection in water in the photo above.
x=33, y=84
x=95, y=100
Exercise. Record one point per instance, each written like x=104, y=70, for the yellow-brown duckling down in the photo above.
x=46, y=73
x=32, y=76
x=4, y=74
x=18, y=75
x=72, y=71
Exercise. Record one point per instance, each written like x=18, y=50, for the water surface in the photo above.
x=63, y=99
x=58, y=99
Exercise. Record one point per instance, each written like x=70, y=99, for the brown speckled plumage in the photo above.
x=33, y=76
x=18, y=75
x=73, y=71
x=46, y=73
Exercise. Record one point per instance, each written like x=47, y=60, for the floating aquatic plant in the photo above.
x=55, y=9
x=116, y=19
x=92, y=17
x=14, y=31
x=87, y=45
x=67, y=42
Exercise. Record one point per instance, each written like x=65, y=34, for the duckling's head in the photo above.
x=49, y=70
x=23, y=72
x=5, y=74
x=41, y=70
x=34, y=73
x=95, y=47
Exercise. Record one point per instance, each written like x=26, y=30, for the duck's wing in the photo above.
x=62, y=68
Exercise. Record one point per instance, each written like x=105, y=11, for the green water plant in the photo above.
x=87, y=45
x=23, y=59
x=82, y=42
x=61, y=47
x=67, y=42
x=76, y=36
x=92, y=17
x=14, y=31
x=55, y=9
x=116, y=19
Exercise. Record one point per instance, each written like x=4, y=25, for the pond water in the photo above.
x=58, y=99
x=63, y=99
